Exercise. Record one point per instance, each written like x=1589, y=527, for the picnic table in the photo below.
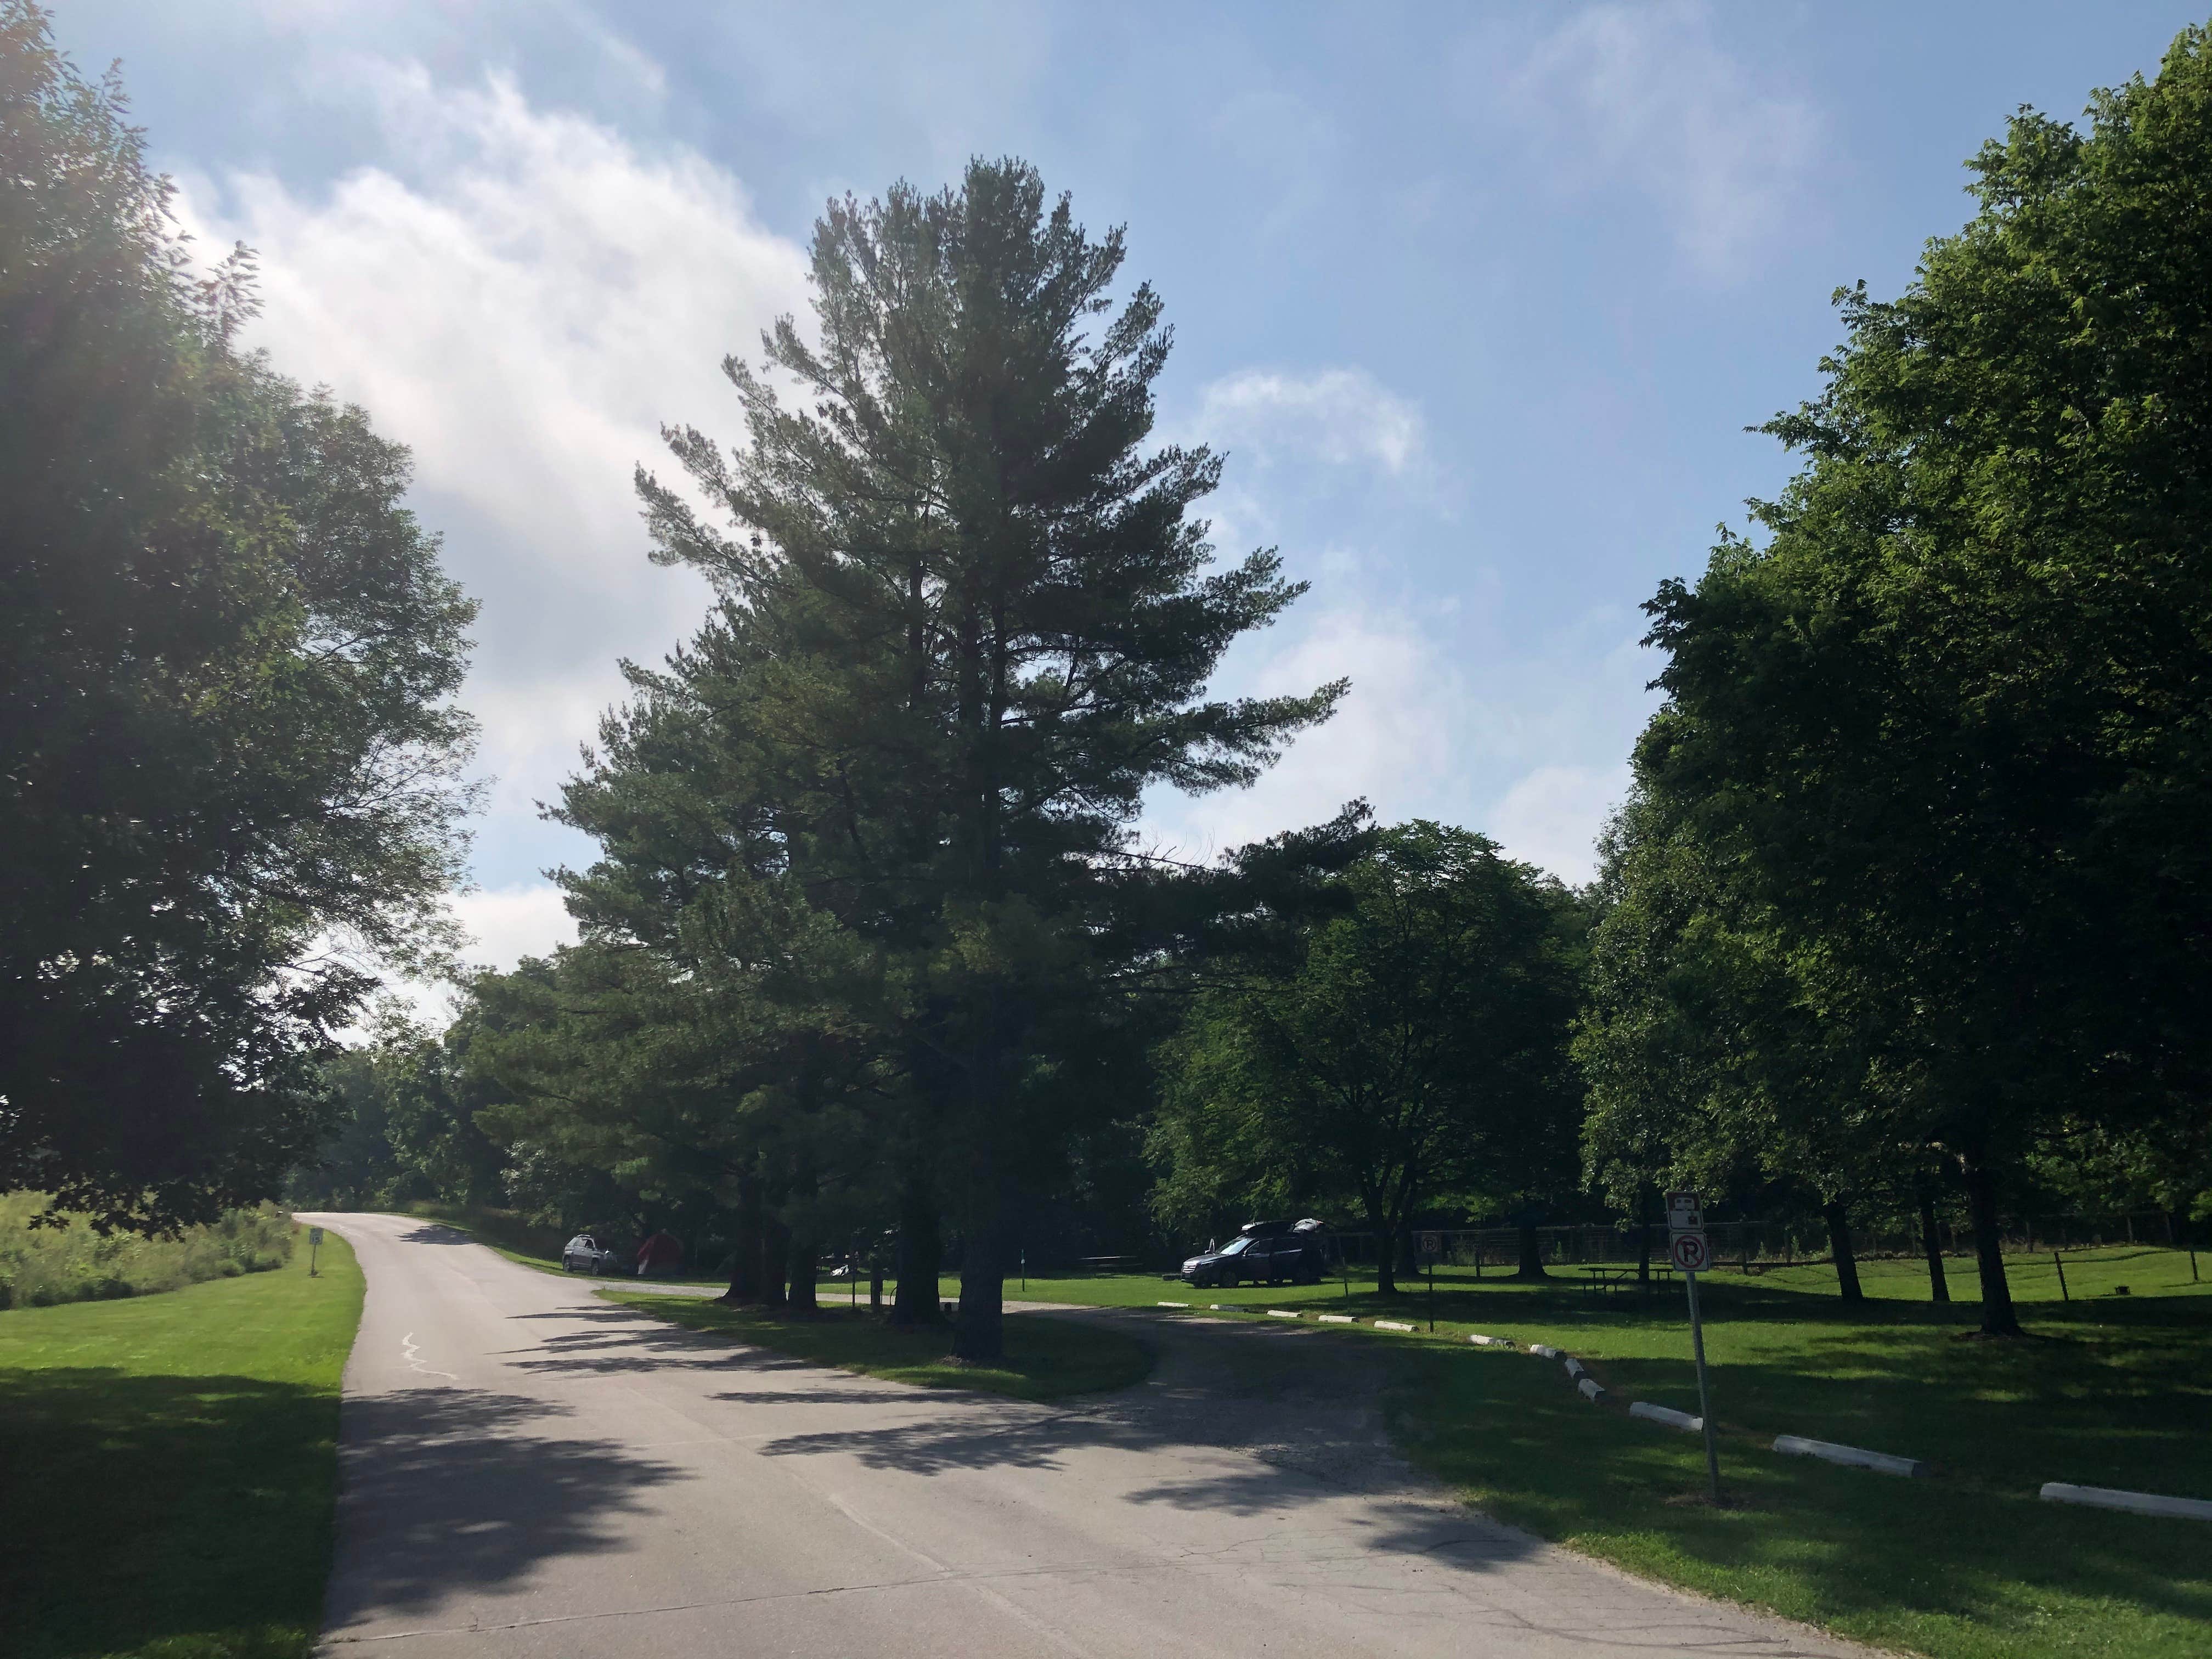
x=1608, y=1278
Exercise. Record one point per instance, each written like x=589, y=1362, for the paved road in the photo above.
x=528, y=1471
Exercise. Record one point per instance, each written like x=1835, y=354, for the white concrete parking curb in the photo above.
x=2139, y=1502
x=1171, y=1305
x=1574, y=1366
x=1282, y=1313
x=1589, y=1388
x=1336, y=1319
x=1544, y=1351
x=1481, y=1341
x=1393, y=1325
x=1857, y=1457
x=1672, y=1419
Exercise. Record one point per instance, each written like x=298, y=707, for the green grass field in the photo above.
x=169, y=1466
x=1046, y=1358
x=2108, y=1390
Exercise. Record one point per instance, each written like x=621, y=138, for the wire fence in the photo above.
x=1756, y=1246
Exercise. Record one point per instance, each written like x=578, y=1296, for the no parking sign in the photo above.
x=1688, y=1249
x=1686, y=1233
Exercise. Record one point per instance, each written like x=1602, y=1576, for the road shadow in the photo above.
x=452, y=1489
x=431, y=1232
x=1263, y=1421
x=617, y=1341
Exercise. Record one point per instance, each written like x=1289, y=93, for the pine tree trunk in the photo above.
x=1839, y=1246
x=921, y=1255
x=1532, y=1256
x=1998, y=1318
x=803, y=1262
x=1939, y=1289
x=745, y=1259
x=980, y=1334
x=775, y=1257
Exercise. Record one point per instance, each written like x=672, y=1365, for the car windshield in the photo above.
x=1236, y=1247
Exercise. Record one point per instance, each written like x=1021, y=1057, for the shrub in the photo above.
x=40, y=1266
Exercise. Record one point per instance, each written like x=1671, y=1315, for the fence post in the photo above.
x=2061, y=1265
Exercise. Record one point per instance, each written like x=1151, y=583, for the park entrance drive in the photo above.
x=529, y=1471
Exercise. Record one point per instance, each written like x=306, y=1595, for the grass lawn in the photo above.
x=1046, y=1358
x=168, y=1465
x=2108, y=1391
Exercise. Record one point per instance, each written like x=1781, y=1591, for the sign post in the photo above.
x=1687, y=1247
x=1431, y=1248
x=314, y=1248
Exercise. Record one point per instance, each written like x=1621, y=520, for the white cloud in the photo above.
x=1449, y=718
x=1340, y=416
x=1552, y=816
x=522, y=296
x=1646, y=97
x=1390, y=742
x=509, y=923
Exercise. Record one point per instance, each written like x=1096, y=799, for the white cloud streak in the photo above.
x=1645, y=96
x=1389, y=742
x=1339, y=416
x=522, y=296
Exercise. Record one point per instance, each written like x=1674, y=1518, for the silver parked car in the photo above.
x=586, y=1255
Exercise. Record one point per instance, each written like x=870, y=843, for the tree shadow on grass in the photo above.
x=1870, y=1552
x=136, y=1510
x=2126, y=1408
x=448, y=1490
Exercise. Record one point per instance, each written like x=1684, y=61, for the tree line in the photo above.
x=1905, y=911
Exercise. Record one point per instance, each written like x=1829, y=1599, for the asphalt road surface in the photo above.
x=528, y=1471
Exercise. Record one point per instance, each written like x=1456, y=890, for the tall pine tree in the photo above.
x=966, y=620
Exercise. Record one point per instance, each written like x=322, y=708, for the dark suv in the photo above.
x=1265, y=1253
x=586, y=1255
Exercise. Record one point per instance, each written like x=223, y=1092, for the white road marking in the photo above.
x=408, y=1353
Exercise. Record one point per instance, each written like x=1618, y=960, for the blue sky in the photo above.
x=1480, y=300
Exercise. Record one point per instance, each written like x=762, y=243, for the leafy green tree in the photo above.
x=966, y=623
x=1408, y=1040
x=227, y=751
x=1711, y=1062
x=405, y=1127
x=355, y=1167
x=1946, y=730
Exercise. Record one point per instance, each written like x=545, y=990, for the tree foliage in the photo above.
x=1404, y=1037
x=965, y=620
x=1941, y=743
x=228, y=751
